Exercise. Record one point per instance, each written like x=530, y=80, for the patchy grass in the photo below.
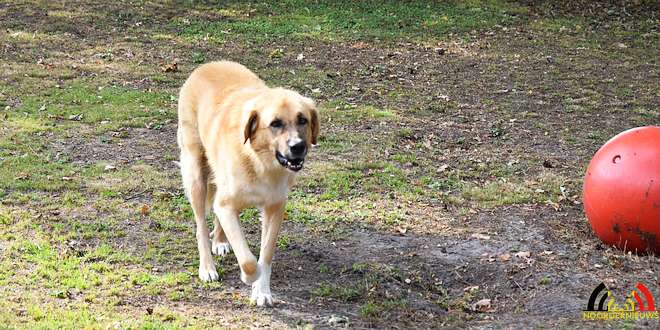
x=344, y=293
x=332, y=21
x=109, y=107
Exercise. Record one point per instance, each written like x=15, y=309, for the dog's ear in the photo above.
x=315, y=125
x=314, y=118
x=251, y=125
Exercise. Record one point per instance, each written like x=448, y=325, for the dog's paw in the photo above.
x=220, y=248
x=261, y=295
x=207, y=273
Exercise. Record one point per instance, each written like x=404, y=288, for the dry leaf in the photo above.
x=505, y=257
x=359, y=45
x=523, y=254
x=480, y=236
x=144, y=210
x=172, y=67
x=471, y=288
x=482, y=306
x=427, y=144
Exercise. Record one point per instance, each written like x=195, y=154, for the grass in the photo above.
x=111, y=107
x=342, y=21
x=340, y=292
x=377, y=309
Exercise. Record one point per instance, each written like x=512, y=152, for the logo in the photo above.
x=603, y=305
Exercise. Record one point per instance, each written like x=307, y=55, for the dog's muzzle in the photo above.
x=294, y=164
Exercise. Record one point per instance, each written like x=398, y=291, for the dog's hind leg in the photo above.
x=194, y=173
x=219, y=244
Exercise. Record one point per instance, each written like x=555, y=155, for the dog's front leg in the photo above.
x=271, y=224
x=232, y=227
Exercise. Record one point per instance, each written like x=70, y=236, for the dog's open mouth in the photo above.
x=292, y=164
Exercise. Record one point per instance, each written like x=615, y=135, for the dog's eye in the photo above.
x=277, y=124
x=302, y=121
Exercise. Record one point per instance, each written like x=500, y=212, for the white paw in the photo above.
x=207, y=272
x=220, y=248
x=261, y=295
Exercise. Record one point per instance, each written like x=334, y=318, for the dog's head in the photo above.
x=281, y=125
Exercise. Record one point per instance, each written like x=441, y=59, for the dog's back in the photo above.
x=208, y=84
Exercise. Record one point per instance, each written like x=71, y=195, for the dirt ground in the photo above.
x=444, y=193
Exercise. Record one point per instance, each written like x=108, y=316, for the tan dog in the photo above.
x=241, y=145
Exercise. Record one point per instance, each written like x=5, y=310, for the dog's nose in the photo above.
x=298, y=149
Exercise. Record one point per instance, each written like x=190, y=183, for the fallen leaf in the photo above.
x=505, y=257
x=442, y=168
x=553, y=204
x=480, y=236
x=523, y=254
x=482, y=306
x=471, y=288
x=172, y=67
x=359, y=45
x=144, y=210
x=427, y=144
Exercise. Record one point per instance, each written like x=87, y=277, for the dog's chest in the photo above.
x=263, y=194
x=258, y=193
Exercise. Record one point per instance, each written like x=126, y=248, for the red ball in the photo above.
x=621, y=191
